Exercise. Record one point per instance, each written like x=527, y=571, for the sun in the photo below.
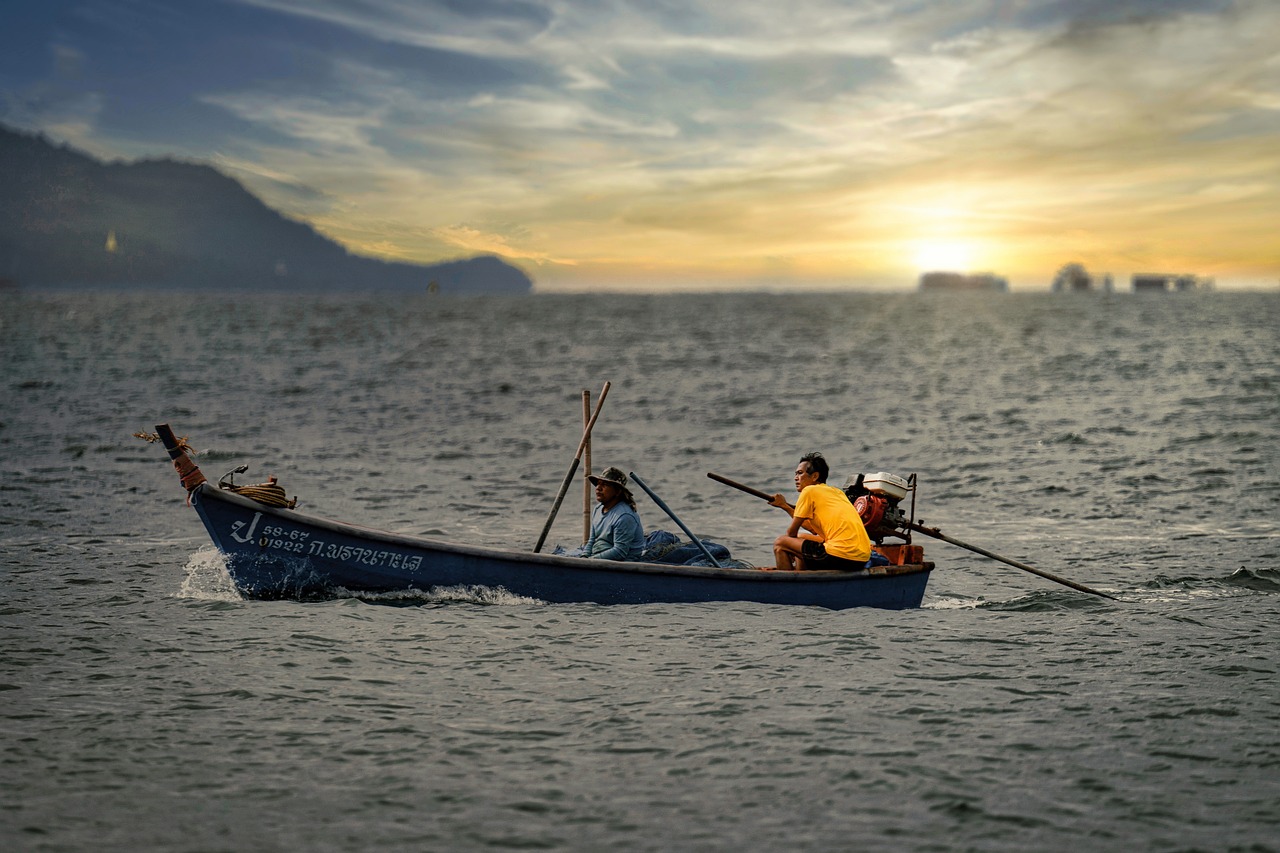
x=942, y=255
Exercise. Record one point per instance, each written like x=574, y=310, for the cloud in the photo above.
x=480, y=27
x=472, y=240
x=695, y=135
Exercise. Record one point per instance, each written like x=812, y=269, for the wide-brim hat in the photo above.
x=612, y=476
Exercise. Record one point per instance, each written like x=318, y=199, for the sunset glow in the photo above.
x=942, y=255
x=599, y=146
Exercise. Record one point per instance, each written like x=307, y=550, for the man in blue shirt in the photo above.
x=616, y=532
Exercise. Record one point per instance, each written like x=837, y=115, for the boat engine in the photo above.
x=878, y=498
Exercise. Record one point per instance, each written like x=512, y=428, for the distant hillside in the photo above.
x=66, y=218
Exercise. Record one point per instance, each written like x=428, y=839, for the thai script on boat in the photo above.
x=295, y=541
x=358, y=554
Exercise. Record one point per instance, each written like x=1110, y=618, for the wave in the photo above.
x=467, y=593
x=1259, y=580
x=207, y=578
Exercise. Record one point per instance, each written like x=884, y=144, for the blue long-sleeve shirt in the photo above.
x=616, y=534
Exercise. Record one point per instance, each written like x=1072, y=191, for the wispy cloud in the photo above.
x=708, y=139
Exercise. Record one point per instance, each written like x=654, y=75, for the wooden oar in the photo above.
x=938, y=534
x=761, y=495
x=573, y=469
x=687, y=532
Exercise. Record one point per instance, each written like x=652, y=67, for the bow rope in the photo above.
x=269, y=493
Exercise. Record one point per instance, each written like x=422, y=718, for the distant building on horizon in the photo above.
x=953, y=281
x=1163, y=282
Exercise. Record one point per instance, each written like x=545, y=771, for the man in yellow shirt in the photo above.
x=833, y=537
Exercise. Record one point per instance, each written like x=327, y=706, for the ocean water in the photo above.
x=1125, y=442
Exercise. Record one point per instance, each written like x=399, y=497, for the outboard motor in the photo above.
x=878, y=498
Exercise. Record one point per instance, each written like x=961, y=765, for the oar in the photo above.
x=687, y=532
x=761, y=495
x=938, y=534
x=573, y=469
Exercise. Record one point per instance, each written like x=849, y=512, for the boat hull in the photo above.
x=280, y=553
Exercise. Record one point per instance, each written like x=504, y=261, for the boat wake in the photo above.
x=1242, y=582
x=465, y=594
x=207, y=578
x=951, y=603
x=1259, y=580
x=1034, y=602
x=1043, y=601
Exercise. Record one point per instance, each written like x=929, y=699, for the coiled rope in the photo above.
x=268, y=493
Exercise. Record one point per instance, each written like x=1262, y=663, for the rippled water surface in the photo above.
x=1128, y=443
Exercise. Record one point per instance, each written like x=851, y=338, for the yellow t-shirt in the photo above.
x=835, y=521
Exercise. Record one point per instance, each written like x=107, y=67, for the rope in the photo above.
x=190, y=474
x=268, y=493
x=152, y=438
x=188, y=471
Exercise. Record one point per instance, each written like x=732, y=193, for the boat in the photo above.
x=273, y=551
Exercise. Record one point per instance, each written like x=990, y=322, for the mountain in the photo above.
x=68, y=219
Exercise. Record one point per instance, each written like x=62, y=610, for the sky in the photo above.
x=700, y=144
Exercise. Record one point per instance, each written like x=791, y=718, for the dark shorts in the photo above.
x=816, y=557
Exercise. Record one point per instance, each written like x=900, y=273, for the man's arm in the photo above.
x=781, y=503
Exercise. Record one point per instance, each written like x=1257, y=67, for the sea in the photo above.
x=1127, y=442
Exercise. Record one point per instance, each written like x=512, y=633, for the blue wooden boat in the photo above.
x=274, y=551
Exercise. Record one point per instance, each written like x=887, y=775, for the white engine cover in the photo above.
x=883, y=483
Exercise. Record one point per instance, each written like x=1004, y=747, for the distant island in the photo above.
x=950, y=281
x=69, y=219
x=1074, y=278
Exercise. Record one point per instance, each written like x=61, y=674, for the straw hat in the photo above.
x=612, y=476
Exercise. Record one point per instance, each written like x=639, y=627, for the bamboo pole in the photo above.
x=573, y=469
x=586, y=470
